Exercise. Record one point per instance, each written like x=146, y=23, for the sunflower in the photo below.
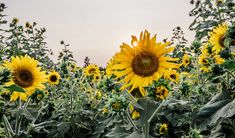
x=161, y=92
x=217, y=37
x=186, y=60
x=163, y=129
x=73, y=67
x=109, y=70
x=203, y=60
x=96, y=77
x=172, y=75
x=15, y=20
x=28, y=25
x=134, y=113
x=218, y=59
x=144, y=62
x=20, y=95
x=207, y=50
x=205, y=69
x=25, y=74
x=91, y=69
x=54, y=78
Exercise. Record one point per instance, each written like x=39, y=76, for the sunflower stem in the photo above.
x=154, y=113
x=19, y=117
x=147, y=130
x=147, y=124
x=198, y=72
x=8, y=128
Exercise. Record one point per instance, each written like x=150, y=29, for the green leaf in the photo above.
x=229, y=64
x=135, y=134
x=148, y=107
x=117, y=132
x=15, y=88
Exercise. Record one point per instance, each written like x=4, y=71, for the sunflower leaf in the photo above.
x=15, y=88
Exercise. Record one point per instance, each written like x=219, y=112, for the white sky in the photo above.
x=96, y=28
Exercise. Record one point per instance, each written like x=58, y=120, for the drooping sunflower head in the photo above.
x=217, y=37
x=186, y=60
x=143, y=62
x=26, y=73
x=54, y=78
x=91, y=70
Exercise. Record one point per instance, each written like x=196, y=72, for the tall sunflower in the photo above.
x=54, y=78
x=217, y=37
x=26, y=74
x=144, y=62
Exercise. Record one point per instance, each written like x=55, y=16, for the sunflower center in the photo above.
x=23, y=78
x=186, y=61
x=173, y=76
x=204, y=61
x=91, y=71
x=53, y=78
x=145, y=64
x=221, y=41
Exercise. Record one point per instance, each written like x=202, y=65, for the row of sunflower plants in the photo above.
x=148, y=89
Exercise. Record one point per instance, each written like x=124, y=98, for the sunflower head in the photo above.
x=203, y=60
x=205, y=69
x=218, y=59
x=217, y=37
x=172, y=75
x=186, y=60
x=161, y=92
x=54, y=78
x=25, y=72
x=134, y=113
x=163, y=129
x=15, y=20
x=143, y=62
x=96, y=77
x=91, y=69
x=28, y=25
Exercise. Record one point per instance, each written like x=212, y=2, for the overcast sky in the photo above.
x=96, y=28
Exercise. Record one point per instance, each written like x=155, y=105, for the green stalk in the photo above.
x=198, y=72
x=8, y=127
x=129, y=118
x=19, y=117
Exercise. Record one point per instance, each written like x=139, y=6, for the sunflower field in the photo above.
x=149, y=89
